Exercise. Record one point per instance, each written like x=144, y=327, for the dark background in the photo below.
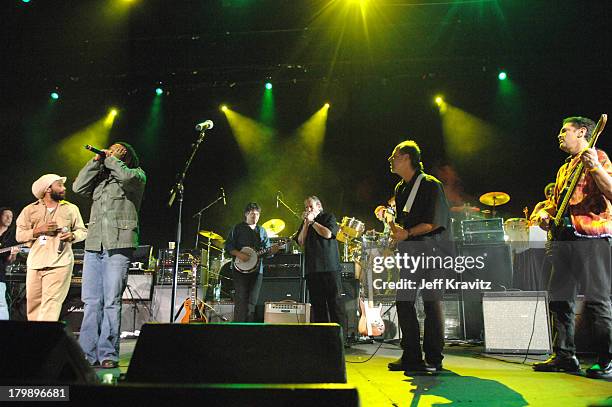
x=381, y=87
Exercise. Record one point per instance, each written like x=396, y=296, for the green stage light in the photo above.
x=54, y=95
x=439, y=100
x=159, y=91
x=268, y=86
x=25, y=1
x=502, y=76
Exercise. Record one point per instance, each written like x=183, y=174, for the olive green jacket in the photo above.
x=117, y=192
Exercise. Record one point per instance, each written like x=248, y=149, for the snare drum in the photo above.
x=352, y=227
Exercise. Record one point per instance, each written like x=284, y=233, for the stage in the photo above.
x=470, y=378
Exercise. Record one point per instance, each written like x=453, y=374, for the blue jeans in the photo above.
x=104, y=279
x=4, y=312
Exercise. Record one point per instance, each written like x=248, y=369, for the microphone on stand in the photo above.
x=62, y=243
x=208, y=124
x=223, y=195
x=277, y=194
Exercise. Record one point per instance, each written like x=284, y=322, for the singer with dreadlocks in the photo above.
x=116, y=183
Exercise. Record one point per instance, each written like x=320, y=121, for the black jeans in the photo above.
x=433, y=338
x=585, y=264
x=324, y=293
x=246, y=293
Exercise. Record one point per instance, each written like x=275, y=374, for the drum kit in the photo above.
x=516, y=230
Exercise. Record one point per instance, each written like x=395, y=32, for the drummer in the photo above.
x=548, y=192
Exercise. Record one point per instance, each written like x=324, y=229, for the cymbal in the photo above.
x=210, y=235
x=494, y=198
x=464, y=208
x=274, y=226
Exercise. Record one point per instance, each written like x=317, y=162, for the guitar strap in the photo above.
x=413, y=192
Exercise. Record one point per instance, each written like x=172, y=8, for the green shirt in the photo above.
x=116, y=191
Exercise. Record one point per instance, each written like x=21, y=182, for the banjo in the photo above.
x=252, y=263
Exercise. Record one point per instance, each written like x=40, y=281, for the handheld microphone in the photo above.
x=95, y=150
x=62, y=243
x=223, y=195
x=207, y=125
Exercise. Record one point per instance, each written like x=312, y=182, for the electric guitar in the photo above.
x=252, y=264
x=194, y=308
x=370, y=321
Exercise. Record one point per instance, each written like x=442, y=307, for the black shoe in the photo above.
x=418, y=367
x=397, y=365
x=109, y=364
x=600, y=371
x=558, y=364
x=433, y=367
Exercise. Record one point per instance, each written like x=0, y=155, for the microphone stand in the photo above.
x=178, y=189
x=199, y=215
x=280, y=200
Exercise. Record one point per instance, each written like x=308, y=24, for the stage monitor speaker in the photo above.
x=238, y=353
x=216, y=395
x=516, y=322
x=41, y=353
x=162, y=294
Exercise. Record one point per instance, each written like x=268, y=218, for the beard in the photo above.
x=58, y=196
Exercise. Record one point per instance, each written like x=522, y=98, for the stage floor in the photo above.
x=470, y=379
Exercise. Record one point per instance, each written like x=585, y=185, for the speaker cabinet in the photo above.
x=238, y=353
x=279, y=289
x=222, y=311
x=497, y=270
x=160, y=310
x=41, y=353
x=72, y=309
x=139, y=287
x=516, y=322
x=350, y=298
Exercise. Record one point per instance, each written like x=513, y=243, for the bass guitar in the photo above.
x=252, y=264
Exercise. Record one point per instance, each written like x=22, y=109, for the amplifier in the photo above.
x=139, y=287
x=186, y=259
x=286, y=312
x=283, y=265
x=348, y=270
x=516, y=322
x=477, y=231
x=219, y=311
x=164, y=276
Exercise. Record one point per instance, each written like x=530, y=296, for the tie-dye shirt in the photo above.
x=590, y=211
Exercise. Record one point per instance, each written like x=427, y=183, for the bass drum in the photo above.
x=226, y=281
